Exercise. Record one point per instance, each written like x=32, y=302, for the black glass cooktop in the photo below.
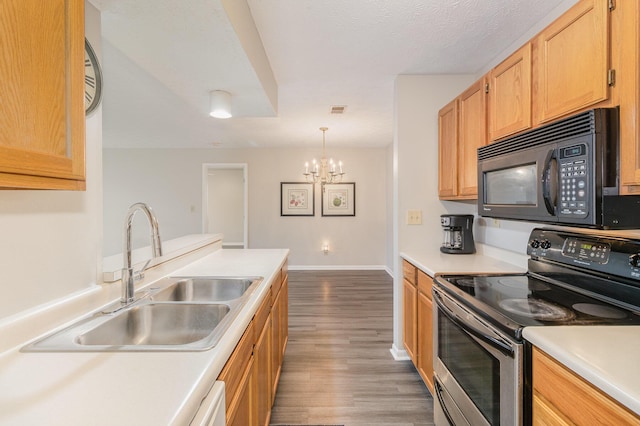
x=529, y=301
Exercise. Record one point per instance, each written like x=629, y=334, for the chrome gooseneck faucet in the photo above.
x=128, y=275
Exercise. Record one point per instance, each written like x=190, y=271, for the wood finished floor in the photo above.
x=337, y=367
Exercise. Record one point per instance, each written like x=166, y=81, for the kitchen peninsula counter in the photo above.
x=129, y=388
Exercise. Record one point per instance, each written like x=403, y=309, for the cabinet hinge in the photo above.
x=486, y=88
x=611, y=77
x=612, y=4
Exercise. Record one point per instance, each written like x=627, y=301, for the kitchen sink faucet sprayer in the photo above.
x=128, y=275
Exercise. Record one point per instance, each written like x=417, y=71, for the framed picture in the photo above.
x=297, y=199
x=339, y=199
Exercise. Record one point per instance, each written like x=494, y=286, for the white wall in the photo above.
x=418, y=100
x=51, y=240
x=170, y=181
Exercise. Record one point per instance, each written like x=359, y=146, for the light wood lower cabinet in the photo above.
x=418, y=320
x=279, y=334
x=252, y=372
x=561, y=397
x=237, y=376
x=409, y=309
x=424, y=328
x=410, y=299
x=262, y=362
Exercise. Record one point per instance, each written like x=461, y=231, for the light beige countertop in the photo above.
x=117, y=388
x=606, y=356
x=486, y=259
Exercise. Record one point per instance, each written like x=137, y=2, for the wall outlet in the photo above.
x=414, y=217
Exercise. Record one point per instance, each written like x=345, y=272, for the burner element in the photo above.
x=476, y=282
x=537, y=309
x=523, y=282
x=600, y=311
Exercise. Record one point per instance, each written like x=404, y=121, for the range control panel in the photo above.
x=573, y=183
x=586, y=250
x=610, y=255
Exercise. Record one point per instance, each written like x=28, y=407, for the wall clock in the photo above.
x=92, y=79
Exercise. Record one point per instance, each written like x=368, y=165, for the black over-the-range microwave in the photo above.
x=564, y=173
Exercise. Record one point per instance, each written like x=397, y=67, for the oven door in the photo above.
x=478, y=370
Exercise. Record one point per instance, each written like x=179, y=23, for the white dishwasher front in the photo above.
x=212, y=410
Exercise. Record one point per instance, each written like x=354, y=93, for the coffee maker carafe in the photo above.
x=458, y=234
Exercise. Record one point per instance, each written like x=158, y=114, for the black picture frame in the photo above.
x=339, y=199
x=297, y=199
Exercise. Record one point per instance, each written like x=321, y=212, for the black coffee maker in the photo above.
x=458, y=234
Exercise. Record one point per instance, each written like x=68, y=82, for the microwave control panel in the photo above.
x=573, y=190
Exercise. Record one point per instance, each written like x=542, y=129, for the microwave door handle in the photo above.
x=547, y=182
x=502, y=347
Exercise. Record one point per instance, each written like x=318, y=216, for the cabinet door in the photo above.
x=410, y=294
x=573, y=60
x=447, y=150
x=510, y=95
x=42, y=86
x=242, y=410
x=472, y=135
x=425, y=339
x=284, y=317
x=276, y=353
x=262, y=360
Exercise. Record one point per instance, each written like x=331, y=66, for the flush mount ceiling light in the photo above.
x=323, y=171
x=220, y=104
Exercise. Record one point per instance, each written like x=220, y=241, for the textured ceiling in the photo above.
x=162, y=57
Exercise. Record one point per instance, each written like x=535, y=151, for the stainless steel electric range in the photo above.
x=481, y=361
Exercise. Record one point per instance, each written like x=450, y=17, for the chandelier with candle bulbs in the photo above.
x=323, y=171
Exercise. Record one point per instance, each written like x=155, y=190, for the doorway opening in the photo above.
x=225, y=202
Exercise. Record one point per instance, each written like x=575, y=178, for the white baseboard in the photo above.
x=341, y=268
x=399, y=354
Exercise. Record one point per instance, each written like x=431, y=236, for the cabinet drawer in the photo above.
x=262, y=314
x=409, y=272
x=573, y=398
x=424, y=283
x=237, y=364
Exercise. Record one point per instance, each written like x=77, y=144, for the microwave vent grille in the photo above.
x=577, y=125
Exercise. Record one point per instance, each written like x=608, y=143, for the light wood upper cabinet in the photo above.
x=462, y=129
x=573, y=60
x=447, y=150
x=625, y=49
x=510, y=95
x=42, y=121
x=472, y=135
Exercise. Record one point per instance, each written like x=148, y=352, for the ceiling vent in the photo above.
x=338, y=109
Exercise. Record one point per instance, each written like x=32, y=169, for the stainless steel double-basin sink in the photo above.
x=175, y=314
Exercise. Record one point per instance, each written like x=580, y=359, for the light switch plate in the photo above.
x=414, y=217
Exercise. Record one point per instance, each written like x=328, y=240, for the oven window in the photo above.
x=475, y=369
x=515, y=185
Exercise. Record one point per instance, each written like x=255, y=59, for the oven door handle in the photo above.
x=445, y=410
x=501, y=346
